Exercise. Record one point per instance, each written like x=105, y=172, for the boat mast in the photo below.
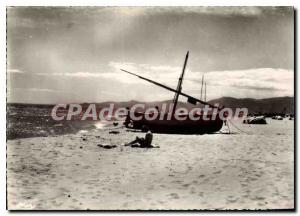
x=205, y=91
x=178, y=89
x=201, y=86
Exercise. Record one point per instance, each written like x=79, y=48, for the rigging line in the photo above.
x=239, y=128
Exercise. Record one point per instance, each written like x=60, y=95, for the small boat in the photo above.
x=278, y=117
x=255, y=120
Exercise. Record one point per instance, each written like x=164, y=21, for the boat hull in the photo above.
x=176, y=126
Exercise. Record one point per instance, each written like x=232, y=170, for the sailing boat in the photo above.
x=173, y=125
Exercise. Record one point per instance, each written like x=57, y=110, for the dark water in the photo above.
x=35, y=121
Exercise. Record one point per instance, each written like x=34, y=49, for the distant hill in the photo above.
x=267, y=105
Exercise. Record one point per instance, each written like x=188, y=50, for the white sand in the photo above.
x=216, y=171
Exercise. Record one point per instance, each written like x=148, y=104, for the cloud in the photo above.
x=226, y=11
x=16, y=71
x=249, y=11
x=161, y=73
x=257, y=83
x=36, y=89
x=75, y=74
x=256, y=79
x=121, y=77
x=111, y=85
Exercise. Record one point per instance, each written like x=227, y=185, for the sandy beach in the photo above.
x=81, y=81
x=217, y=171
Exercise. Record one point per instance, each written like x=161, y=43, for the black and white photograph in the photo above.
x=150, y=108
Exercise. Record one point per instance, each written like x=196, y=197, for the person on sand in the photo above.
x=143, y=142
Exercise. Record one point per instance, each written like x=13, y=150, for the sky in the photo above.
x=74, y=54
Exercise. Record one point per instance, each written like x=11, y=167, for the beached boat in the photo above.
x=255, y=120
x=173, y=125
x=278, y=117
